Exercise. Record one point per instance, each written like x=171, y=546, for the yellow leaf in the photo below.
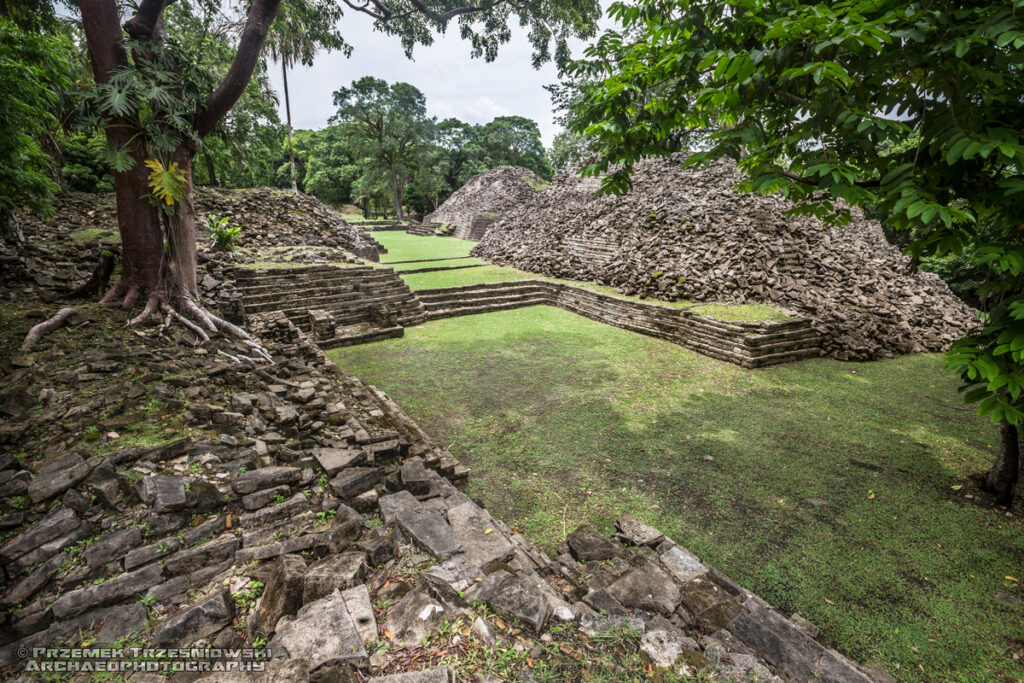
x=871, y=495
x=388, y=634
x=487, y=531
x=529, y=662
x=1010, y=578
x=829, y=601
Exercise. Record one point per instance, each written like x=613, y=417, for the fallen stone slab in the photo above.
x=165, y=493
x=517, y=597
x=265, y=478
x=27, y=587
x=586, y=544
x=350, y=482
x=112, y=546
x=255, y=501
x=397, y=506
x=57, y=476
x=357, y=601
x=323, y=633
x=478, y=535
x=684, y=566
x=429, y=531
x=333, y=573
x=663, y=648
x=647, y=588
x=218, y=550
x=282, y=595
x=637, y=532
x=785, y=646
x=58, y=523
x=417, y=615
x=202, y=619
x=123, y=621
x=333, y=460
x=113, y=590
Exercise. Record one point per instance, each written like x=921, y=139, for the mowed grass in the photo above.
x=402, y=246
x=563, y=420
x=446, y=263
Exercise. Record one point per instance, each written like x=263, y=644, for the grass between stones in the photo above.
x=563, y=420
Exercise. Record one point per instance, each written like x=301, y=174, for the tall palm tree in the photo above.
x=301, y=29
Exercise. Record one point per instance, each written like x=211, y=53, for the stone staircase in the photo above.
x=387, y=224
x=359, y=304
x=449, y=302
x=592, y=249
x=423, y=229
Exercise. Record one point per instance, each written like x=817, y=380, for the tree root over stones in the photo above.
x=44, y=328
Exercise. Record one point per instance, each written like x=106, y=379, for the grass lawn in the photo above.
x=447, y=263
x=402, y=246
x=564, y=420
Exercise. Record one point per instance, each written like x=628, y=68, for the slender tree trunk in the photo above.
x=181, y=236
x=211, y=170
x=138, y=221
x=288, y=114
x=398, y=195
x=1005, y=473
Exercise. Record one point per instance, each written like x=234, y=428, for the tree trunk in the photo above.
x=181, y=236
x=138, y=221
x=288, y=115
x=398, y=195
x=211, y=170
x=1005, y=473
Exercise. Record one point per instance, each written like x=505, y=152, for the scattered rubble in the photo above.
x=685, y=233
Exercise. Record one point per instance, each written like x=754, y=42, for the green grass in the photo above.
x=563, y=420
x=466, y=276
x=447, y=263
x=741, y=313
x=402, y=246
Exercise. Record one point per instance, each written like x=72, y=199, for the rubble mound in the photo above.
x=487, y=196
x=686, y=233
x=268, y=218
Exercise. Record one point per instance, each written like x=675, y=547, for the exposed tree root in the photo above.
x=152, y=303
x=115, y=292
x=130, y=297
x=216, y=324
x=198, y=331
x=42, y=329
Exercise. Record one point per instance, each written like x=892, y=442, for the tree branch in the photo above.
x=143, y=25
x=261, y=16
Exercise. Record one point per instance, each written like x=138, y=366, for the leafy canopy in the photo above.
x=813, y=97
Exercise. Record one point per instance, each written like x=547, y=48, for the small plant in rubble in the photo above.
x=224, y=235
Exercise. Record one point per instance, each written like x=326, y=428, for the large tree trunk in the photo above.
x=288, y=115
x=211, y=170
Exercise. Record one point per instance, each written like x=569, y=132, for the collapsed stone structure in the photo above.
x=684, y=233
x=486, y=196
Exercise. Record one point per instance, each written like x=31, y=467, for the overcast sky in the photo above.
x=455, y=85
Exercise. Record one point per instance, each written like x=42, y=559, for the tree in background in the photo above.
x=388, y=125
x=158, y=103
x=513, y=141
x=301, y=28
x=816, y=101
x=34, y=70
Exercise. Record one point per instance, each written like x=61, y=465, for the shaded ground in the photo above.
x=563, y=420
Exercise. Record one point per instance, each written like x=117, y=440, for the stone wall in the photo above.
x=684, y=233
x=750, y=345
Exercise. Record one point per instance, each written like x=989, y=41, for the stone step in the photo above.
x=322, y=298
x=478, y=300
x=379, y=334
x=488, y=308
x=438, y=268
x=268, y=284
x=428, y=260
x=533, y=285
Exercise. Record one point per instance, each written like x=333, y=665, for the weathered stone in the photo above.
x=107, y=486
x=586, y=543
x=517, y=597
x=56, y=524
x=165, y=493
x=357, y=601
x=27, y=587
x=202, y=619
x=416, y=615
x=662, y=648
x=481, y=541
x=123, y=621
x=113, y=590
x=323, y=633
x=289, y=508
x=397, y=505
x=594, y=624
x=204, y=496
x=415, y=477
x=682, y=564
x=379, y=549
x=265, y=478
x=254, y=501
x=637, y=532
x=647, y=588
x=219, y=549
x=112, y=546
x=350, y=482
x=335, y=572
x=429, y=531
x=56, y=477
x=333, y=460
x=282, y=595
